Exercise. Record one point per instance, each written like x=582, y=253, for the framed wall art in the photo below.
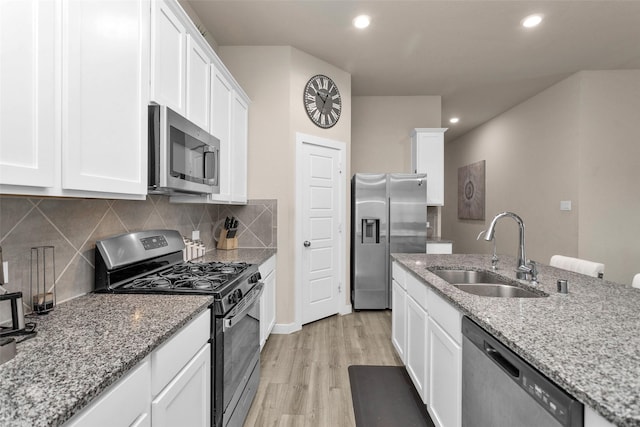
x=471, y=191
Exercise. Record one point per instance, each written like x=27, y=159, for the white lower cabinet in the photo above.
x=445, y=377
x=399, y=319
x=170, y=387
x=426, y=333
x=268, y=299
x=439, y=248
x=186, y=400
x=417, y=344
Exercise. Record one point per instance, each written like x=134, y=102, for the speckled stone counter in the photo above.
x=252, y=256
x=81, y=348
x=587, y=341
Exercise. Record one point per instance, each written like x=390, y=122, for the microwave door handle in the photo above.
x=211, y=154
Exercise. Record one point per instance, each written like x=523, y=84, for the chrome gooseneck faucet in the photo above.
x=523, y=268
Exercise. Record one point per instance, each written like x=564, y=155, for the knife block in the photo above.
x=227, y=243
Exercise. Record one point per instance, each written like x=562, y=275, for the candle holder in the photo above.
x=43, y=279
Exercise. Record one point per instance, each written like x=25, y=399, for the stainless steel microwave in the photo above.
x=183, y=158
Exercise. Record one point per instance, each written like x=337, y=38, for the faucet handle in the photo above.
x=534, y=272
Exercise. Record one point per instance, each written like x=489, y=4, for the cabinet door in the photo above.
x=445, y=377
x=398, y=319
x=126, y=403
x=239, y=135
x=416, y=349
x=186, y=401
x=221, y=98
x=198, y=84
x=267, y=308
x=168, y=57
x=268, y=299
x=427, y=156
x=104, y=108
x=28, y=92
x=439, y=248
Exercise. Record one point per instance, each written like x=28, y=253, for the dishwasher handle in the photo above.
x=507, y=366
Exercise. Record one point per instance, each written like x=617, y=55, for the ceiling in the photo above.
x=474, y=53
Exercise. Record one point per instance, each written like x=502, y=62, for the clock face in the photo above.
x=322, y=101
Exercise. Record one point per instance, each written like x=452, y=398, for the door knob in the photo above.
x=307, y=243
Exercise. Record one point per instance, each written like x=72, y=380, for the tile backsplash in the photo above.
x=72, y=226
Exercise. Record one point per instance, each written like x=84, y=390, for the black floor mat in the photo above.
x=383, y=396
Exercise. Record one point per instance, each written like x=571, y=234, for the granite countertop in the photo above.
x=587, y=341
x=81, y=348
x=252, y=256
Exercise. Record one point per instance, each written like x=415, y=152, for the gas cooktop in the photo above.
x=189, y=277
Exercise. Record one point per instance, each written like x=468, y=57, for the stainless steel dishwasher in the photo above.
x=500, y=389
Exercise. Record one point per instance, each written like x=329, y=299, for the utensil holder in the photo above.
x=43, y=279
x=227, y=243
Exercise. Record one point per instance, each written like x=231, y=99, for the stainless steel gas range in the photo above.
x=152, y=262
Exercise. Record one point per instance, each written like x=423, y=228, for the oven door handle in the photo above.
x=232, y=319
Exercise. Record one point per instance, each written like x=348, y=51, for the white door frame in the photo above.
x=344, y=307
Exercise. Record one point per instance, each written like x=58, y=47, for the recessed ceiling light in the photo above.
x=531, y=21
x=454, y=120
x=361, y=21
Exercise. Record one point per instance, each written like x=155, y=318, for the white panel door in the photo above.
x=28, y=83
x=105, y=97
x=198, y=84
x=320, y=198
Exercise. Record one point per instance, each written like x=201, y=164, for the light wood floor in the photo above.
x=304, y=380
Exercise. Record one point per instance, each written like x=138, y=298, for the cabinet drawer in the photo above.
x=398, y=274
x=167, y=360
x=447, y=316
x=267, y=267
x=417, y=290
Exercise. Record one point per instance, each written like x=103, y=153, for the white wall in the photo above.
x=575, y=141
x=382, y=125
x=274, y=77
x=610, y=171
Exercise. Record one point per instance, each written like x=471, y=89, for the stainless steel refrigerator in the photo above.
x=388, y=215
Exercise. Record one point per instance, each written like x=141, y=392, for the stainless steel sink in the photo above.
x=485, y=283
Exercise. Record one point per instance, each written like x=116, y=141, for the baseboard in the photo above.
x=285, y=328
x=346, y=309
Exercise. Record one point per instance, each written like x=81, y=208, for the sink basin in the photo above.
x=485, y=284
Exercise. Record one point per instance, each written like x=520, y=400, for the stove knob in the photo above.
x=232, y=299
x=238, y=294
x=255, y=278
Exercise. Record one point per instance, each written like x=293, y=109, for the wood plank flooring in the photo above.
x=304, y=380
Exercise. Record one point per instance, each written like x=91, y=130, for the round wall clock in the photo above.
x=322, y=101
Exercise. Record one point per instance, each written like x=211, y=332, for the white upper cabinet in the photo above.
x=221, y=98
x=28, y=92
x=168, y=56
x=198, y=84
x=180, y=64
x=239, y=135
x=427, y=156
x=73, y=83
x=104, y=114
